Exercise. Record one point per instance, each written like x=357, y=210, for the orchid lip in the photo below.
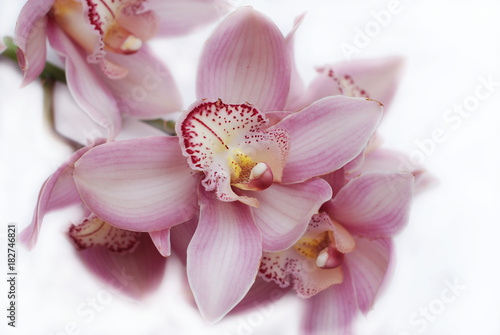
x=230, y=144
x=94, y=231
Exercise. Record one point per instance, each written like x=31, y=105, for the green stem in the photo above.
x=165, y=126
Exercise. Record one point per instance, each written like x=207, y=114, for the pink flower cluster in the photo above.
x=266, y=184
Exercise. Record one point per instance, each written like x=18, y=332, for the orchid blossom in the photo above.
x=254, y=185
x=341, y=261
x=109, y=69
x=127, y=261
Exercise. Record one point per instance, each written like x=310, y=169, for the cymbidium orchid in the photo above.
x=341, y=261
x=109, y=69
x=253, y=184
x=127, y=261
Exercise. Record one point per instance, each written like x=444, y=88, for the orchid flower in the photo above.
x=109, y=69
x=341, y=261
x=253, y=185
x=127, y=261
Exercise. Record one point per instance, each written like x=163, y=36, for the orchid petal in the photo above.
x=285, y=210
x=30, y=37
x=226, y=240
x=331, y=311
x=181, y=237
x=262, y=295
x=89, y=91
x=141, y=185
x=297, y=87
x=148, y=91
x=321, y=87
x=161, y=239
x=57, y=191
x=374, y=205
x=378, y=77
x=71, y=121
x=178, y=17
x=382, y=160
x=327, y=134
x=246, y=60
x=369, y=264
x=336, y=179
x=136, y=274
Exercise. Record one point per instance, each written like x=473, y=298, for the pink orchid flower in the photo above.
x=254, y=186
x=109, y=69
x=127, y=261
x=342, y=260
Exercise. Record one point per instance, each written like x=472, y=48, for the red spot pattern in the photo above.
x=346, y=84
x=212, y=126
x=94, y=231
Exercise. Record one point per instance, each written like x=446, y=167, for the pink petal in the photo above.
x=327, y=134
x=297, y=87
x=58, y=191
x=223, y=256
x=285, y=210
x=141, y=185
x=374, y=205
x=179, y=17
x=148, y=91
x=161, y=239
x=261, y=297
x=382, y=160
x=336, y=179
x=73, y=122
x=321, y=87
x=331, y=311
x=135, y=274
x=143, y=24
x=246, y=60
x=89, y=91
x=379, y=77
x=30, y=37
x=369, y=264
x=181, y=237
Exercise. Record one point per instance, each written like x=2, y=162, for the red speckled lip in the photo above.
x=212, y=127
x=94, y=231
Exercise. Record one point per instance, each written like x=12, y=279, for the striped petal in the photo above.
x=223, y=256
x=327, y=134
x=374, y=205
x=246, y=60
x=141, y=185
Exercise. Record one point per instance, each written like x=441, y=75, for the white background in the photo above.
x=453, y=234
